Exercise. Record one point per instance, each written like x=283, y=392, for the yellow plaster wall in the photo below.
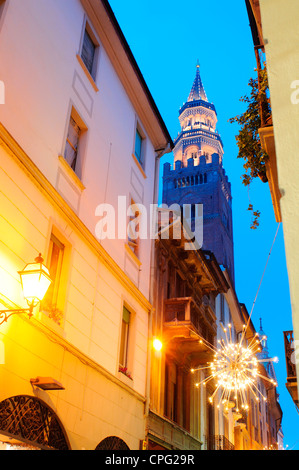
x=280, y=21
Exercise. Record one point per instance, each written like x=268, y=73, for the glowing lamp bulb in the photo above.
x=35, y=279
x=157, y=344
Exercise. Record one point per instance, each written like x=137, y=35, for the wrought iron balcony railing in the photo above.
x=218, y=442
x=184, y=310
x=185, y=322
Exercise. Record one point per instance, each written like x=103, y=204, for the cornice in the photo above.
x=124, y=63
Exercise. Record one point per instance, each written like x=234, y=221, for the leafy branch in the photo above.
x=248, y=139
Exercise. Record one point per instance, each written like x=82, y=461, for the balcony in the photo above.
x=291, y=366
x=185, y=322
x=268, y=145
x=167, y=434
x=218, y=442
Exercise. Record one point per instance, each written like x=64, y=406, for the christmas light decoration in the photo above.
x=234, y=370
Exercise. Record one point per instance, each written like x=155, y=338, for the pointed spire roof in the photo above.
x=197, y=91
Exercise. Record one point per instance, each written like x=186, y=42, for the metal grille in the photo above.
x=112, y=443
x=32, y=421
x=218, y=442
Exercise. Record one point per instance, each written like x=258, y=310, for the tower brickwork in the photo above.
x=198, y=176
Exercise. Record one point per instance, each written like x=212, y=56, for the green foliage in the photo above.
x=248, y=139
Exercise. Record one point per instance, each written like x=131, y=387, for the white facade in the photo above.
x=46, y=83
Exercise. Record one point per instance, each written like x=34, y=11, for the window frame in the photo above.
x=54, y=240
x=53, y=314
x=126, y=356
x=140, y=160
x=124, y=339
x=78, y=168
x=134, y=244
x=92, y=74
x=88, y=39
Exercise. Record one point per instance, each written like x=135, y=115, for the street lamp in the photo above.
x=157, y=344
x=35, y=281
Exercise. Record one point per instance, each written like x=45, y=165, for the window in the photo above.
x=72, y=143
x=88, y=52
x=139, y=146
x=170, y=391
x=124, y=340
x=134, y=228
x=75, y=142
x=56, y=254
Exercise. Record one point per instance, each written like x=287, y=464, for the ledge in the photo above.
x=66, y=167
x=58, y=203
x=268, y=145
x=139, y=166
x=90, y=79
x=133, y=256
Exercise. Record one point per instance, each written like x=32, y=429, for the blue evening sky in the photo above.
x=167, y=37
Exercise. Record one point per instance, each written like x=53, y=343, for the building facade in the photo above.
x=274, y=36
x=78, y=129
x=186, y=285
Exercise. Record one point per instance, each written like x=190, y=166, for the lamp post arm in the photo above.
x=6, y=314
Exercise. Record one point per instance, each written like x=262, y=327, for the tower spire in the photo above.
x=197, y=91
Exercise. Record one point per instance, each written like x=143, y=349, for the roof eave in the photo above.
x=126, y=67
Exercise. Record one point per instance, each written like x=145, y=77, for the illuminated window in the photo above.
x=56, y=254
x=133, y=228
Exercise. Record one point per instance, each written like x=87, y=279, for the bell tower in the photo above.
x=198, y=176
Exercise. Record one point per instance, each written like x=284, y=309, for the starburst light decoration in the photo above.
x=234, y=370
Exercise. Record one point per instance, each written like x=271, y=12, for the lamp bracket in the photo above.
x=6, y=314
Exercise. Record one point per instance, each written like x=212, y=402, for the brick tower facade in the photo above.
x=198, y=176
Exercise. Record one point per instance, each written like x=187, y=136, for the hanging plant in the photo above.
x=53, y=312
x=248, y=140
